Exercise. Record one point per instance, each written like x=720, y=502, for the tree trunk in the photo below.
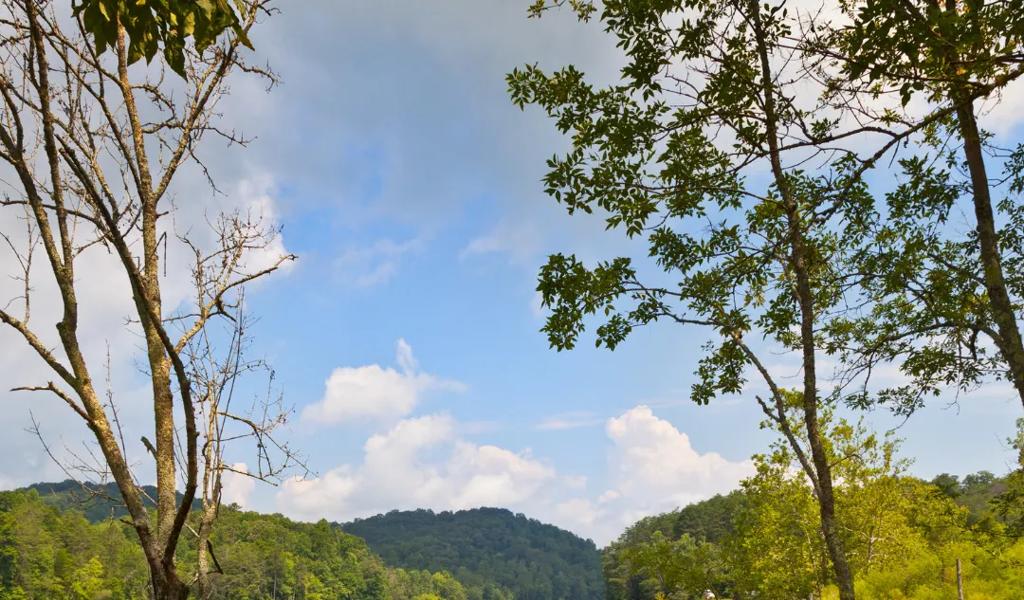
x=959, y=581
x=1003, y=314
x=171, y=590
x=159, y=362
x=804, y=296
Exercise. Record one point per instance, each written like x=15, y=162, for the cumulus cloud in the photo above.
x=236, y=487
x=418, y=463
x=375, y=392
x=423, y=462
x=653, y=458
x=652, y=468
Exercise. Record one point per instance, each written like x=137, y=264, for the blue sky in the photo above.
x=408, y=185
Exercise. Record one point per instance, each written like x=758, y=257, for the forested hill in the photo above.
x=97, y=502
x=48, y=552
x=533, y=560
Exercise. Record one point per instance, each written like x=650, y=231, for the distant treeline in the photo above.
x=905, y=533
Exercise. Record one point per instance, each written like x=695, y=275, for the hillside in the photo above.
x=49, y=551
x=533, y=560
x=97, y=502
x=56, y=530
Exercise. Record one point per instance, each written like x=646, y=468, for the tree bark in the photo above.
x=1009, y=342
x=159, y=363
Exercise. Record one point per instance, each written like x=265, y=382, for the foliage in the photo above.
x=942, y=296
x=160, y=24
x=96, y=502
x=930, y=48
x=903, y=535
x=502, y=553
x=46, y=553
x=704, y=524
x=49, y=552
x=1009, y=504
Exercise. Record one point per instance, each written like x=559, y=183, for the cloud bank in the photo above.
x=424, y=462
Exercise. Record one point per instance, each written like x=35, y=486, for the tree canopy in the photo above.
x=51, y=552
x=518, y=557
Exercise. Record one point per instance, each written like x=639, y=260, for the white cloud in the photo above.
x=423, y=463
x=236, y=487
x=578, y=510
x=419, y=463
x=375, y=392
x=654, y=459
x=521, y=241
x=653, y=468
x=1003, y=114
x=254, y=196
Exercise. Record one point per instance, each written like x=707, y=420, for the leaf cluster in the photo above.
x=152, y=26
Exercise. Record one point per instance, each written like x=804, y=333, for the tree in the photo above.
x=776, y=550
x=95, y=148
x=930, y=304
x=670, y=153
x=88, y=581
x=680, y=568
x=903, y=535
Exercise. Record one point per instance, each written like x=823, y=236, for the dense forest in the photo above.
x=96, y=502
x=486, y=546
x=48, y=552
x=905, y=535
x=67, y=540
x=60, y=540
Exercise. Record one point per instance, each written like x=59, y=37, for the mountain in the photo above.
x=532, y=560
x=56, y=538
x=96, y=501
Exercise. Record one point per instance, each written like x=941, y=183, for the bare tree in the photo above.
x=94, y=148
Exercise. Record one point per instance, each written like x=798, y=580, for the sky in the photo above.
x=406, y=336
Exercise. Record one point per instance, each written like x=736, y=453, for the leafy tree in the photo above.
x=1010, y=503
x=930, y=300
x=668, y=154
x=87, y=581
x=706, y=524
x=680, y=568
x=904, y=536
